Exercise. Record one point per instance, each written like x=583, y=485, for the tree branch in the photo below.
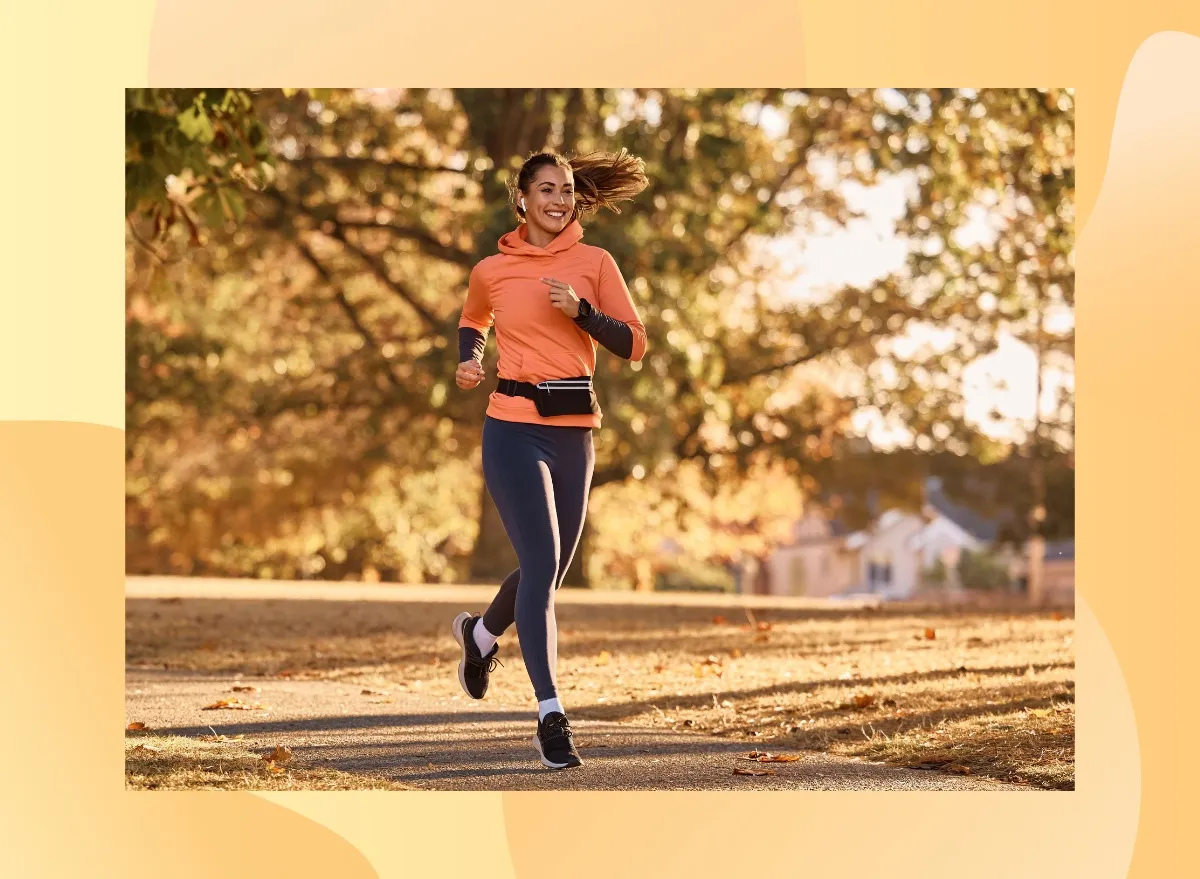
x=379, y=269
x=366, y=162
x=348, y=309
x=800, y=162
x=429, y=244
x=377, y=266
x=734, y=377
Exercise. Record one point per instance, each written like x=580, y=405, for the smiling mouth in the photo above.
x=558, y=215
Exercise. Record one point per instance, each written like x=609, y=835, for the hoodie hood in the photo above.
x=516, y=244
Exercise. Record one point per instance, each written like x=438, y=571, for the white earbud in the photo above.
x=522, y=204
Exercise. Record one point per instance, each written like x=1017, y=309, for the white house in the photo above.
x=888, y=558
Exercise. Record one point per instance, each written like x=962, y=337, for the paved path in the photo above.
x=454, y=743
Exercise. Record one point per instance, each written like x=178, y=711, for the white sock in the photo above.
x=548, y=705
x=484, y=639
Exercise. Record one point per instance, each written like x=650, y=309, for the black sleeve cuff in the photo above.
x=613, y=334
x=471, y=344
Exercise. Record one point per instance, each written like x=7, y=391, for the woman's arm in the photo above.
x=476, y=319
x=614, y=321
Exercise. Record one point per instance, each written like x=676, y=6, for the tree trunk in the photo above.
x=577, y=573
x=493, y=558
x=1035, y=579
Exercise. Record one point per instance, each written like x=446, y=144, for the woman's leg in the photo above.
x=501, y=613
x=574, y=461
x=517, y=468
x=573, y=466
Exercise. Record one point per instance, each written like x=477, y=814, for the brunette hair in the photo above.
x=601, y=179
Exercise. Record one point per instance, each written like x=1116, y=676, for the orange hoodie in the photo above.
x=537, y=341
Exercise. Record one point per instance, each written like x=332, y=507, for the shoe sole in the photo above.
x=550, y=764
x=456, y=628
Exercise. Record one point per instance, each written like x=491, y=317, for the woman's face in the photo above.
x=550, y=201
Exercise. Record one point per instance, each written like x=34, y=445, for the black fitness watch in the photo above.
x=585, y=311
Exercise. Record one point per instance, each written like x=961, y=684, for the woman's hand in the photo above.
x=469, y=374
x=563, y=297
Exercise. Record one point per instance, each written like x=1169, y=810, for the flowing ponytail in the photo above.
x=602, y=180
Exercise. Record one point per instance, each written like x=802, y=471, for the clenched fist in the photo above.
x=469, y=374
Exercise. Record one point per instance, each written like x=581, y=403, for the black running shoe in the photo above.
x=473, y=668
x=553, y=742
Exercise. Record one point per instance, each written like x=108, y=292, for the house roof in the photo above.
x=978, y=526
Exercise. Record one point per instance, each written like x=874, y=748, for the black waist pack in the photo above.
x=560, y=396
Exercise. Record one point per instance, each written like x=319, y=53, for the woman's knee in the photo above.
x=538, y=576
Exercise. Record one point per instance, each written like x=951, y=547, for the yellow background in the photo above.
x=64, y=811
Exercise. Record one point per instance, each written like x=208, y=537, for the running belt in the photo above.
x=513, y=388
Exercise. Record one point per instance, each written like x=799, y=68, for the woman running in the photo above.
x=551, y=299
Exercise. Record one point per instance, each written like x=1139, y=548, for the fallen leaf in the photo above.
x=864, y=700
x=244, y=688
x=275, y=769
x=660, y=668
x=960, y=769
x=763, y=626
x=765, y=757
x=281, y=754
x=1058, y=616
x=712, y=660
x=234, y=705
x=738, y=770
x=718, y=621
x=369, y=692
x=735, y=653
x=762, y=638
x=974, y=642
x=137, y=726
x=604, y=658
x=930, y=634
x=1038, y=712
x=146, y=749
x=208, y=645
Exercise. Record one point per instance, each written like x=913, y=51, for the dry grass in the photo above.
x=991, y=693
x=154, y=762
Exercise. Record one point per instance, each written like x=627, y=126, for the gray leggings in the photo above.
x=538, y=475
